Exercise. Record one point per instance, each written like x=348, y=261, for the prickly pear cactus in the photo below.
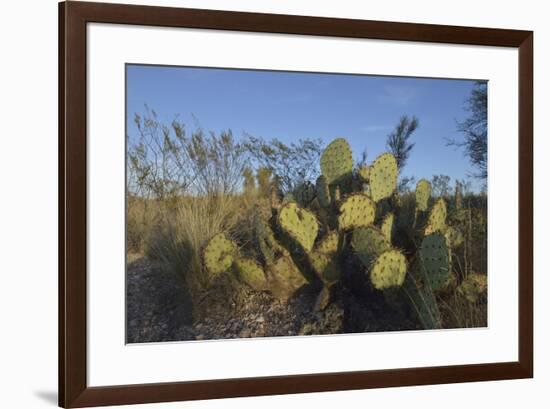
x=326, y=266
x=363, y=173
x=304, y=193
x=328, y=244
x=284, y=277
x=434, y=257
x=250, y=272
x=268, y=246
x=323, y=193
x=368, y=243
x=389, y=270
x=337, y=161
x=437, y=218
x=219, y=254
x=355, y=211
x=300, y=224
x=387, y=226
x=383, y=177
x=423, y=193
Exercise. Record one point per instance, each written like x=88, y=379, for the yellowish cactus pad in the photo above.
x=219, y=254
x=423, y=193
x=300, y=224
x=383, y=177
x=437, y=218
x=355, y=211
x=389, y=270
x=250, y=273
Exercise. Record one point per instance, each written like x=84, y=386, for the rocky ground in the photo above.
x=157, y=311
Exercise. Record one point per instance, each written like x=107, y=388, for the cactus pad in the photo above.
x=337, y=161
x=300, y=224
x=250, y=273
x=437, y=217
x=423, y=193
x=389, y=270
x=218, y=254
x=355, y=211
x=328, y=244
x=304, y=193
x=323, y=193
x=368, y=243
x=284, y=277
x=364, y=172
x=383, y=177
x=387, y=226
x=326, y=266
x=434, y=256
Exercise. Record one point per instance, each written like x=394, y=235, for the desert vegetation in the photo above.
x=256, y=237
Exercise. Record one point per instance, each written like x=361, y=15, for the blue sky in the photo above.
x=289, y=106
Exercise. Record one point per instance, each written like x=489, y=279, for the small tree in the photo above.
x=398, y=141
x=474, y=128
x=441, y=185
x=292, y=164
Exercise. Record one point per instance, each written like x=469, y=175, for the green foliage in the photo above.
x=398, y=141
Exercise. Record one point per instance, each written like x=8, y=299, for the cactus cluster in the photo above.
x=349, y=219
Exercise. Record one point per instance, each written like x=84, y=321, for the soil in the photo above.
x=158, y=310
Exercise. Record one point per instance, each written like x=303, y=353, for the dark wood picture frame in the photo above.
x=73, y=388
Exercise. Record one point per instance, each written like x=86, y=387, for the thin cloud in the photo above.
x=398, y=94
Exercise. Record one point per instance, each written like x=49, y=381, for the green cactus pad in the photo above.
x=355, y=211
x=364, y=172
x=434, y=256
x=337, y=161
x=328, y=244
x=268, y=246
x=326, y=266
x=383, y=177
x=218, y=254
x=300, y=224
x=250, y=272
x=387, y=226
x=389, y=270
x=304, y=193
x=323, y=193
x=423, y=193
x=437, y=217
x=368, y=243
x=473, y=287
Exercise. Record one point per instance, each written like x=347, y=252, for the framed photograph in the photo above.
x=255, y=204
